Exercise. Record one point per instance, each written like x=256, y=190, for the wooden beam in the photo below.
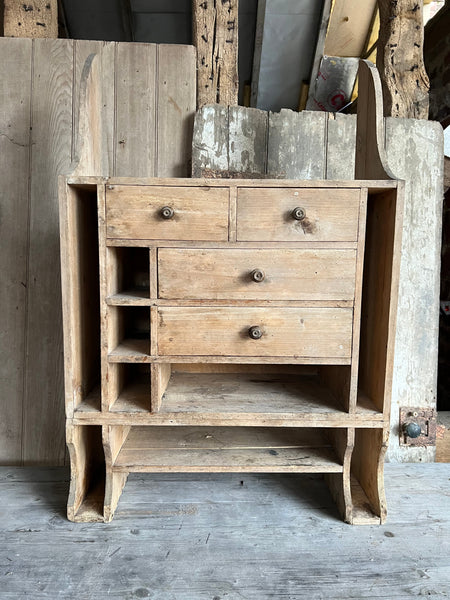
x=215, y=34
x=33, y=19
x=400, y=59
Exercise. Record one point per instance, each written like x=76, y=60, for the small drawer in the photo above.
x=257, y=274
x=166, y=213
x=295, y=215
x=237, y=331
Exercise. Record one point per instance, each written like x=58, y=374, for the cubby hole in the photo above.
x=128, y=333
x=130, y=387
x=129, y=280
x=252, y=389
x=84, y=299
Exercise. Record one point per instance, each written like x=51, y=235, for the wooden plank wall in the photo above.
x=314, y=145
x=149, y=104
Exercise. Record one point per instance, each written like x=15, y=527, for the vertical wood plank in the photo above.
x=51, y=153
x=106, y=52
x=247, y=144
x=414, y=151
x=297, y=145
x=135, y=143
x=341, y=146
x=15, y=94
x=176, y=91
x=210, y=141
x=215, y=33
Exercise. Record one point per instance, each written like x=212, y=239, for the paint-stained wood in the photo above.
x=258, y=274
x=296, y=147
x=31, y=19
x=400, y=59
x=215, y=34
x=15, y=99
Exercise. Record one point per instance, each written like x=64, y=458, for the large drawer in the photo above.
x=234, y=331
x=292, y=215
x=258, y=274
x=167, y=213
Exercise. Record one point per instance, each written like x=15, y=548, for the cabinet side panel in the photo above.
x=81, y=305
x=379, y=300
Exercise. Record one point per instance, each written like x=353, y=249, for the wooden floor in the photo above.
x=225, y=537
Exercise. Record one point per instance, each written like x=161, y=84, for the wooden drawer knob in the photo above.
x=167, y=212
x=298, y=213
x=258, y=275
x=255, y=332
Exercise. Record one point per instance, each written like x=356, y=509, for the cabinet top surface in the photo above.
x=226, y=183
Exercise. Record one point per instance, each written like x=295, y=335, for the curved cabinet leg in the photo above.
x=113, y=439
x=87, y=473
x=368, y=494
x=339, y=483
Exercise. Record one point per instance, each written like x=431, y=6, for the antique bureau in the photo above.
x=228, y=326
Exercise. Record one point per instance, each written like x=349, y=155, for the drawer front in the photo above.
x=256, y=274
x=297, y=332
x=167, y=213
x=295, y=215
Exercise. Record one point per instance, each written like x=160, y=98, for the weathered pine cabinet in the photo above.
x=228, y=326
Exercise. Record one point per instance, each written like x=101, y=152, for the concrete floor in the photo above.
x=225, y=537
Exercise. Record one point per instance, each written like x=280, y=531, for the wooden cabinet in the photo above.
x=238, y=325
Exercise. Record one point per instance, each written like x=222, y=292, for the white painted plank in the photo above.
x=415, y=153
x=341, y=146
x=297, y=144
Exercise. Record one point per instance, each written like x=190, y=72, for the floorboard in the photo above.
x=225, y=537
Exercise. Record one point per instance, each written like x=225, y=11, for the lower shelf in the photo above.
x=227, y=449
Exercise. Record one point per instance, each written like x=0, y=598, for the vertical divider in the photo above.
x=153, y=273
x=160, y=373
x=113, y=439
x=339, y=483
x=358, y=300
x=107, y=318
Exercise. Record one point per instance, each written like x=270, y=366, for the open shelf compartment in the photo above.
x=129, y=331
x=129, y=283
x=227, y=449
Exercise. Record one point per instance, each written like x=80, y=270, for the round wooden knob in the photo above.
x=258, y=275
x=298, y=213
x=167, y=212
x=255, y=332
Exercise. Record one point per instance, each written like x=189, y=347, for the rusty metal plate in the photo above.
x=425, y=418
